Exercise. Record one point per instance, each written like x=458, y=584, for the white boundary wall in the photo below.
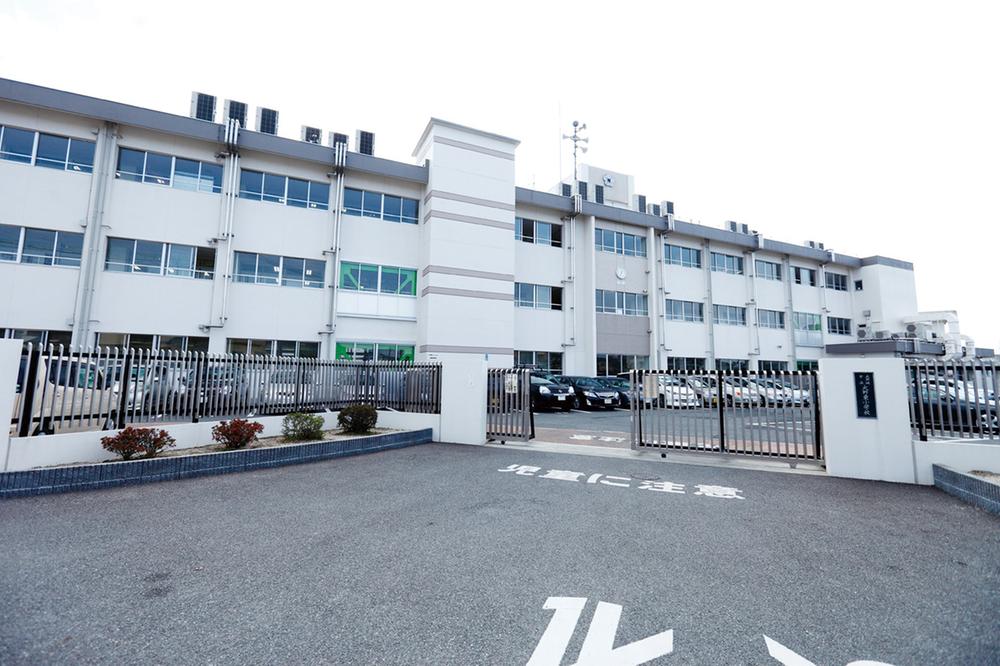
x=10, y=358
x=85, y=447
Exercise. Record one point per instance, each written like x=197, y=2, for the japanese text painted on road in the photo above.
x=704, y=490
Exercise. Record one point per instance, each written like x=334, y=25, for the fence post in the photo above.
x=298, y=384
x=28, y=391
x=719, y=380
x=10, y=360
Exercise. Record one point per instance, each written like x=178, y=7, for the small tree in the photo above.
x=237, y=433
x=137, y=441
x=298, y=427
x=357, y=419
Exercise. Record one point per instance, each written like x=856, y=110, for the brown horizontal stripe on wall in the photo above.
x=469, y=200
x=459, y=349
x=474, y=148
x=468, y=272
x=456, y=217
x=467, y=293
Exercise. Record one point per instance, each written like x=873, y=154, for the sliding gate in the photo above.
x=508, y=405
x=769, y=414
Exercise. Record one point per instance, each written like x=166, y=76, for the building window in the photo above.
x=47, y=150
x=610, y=365
x=804, y=276
x=727, y=263
x=729, y=315
x=622, y=303
x=807, y=366
x=146, y=167
x=688, y=363
x=286, y=348
x=540, y=233
x=682, y=256
x=629, y=245
x=384, y=279
x=538, y=296
x=295, y=192
x=770, y=318
x=836, y=281
x=838, y=325
x=254, y=268
x=684, y=310
x=37, y=338
x=125, y=255
x=374, y=351
x=772, y=366
x=732, y=364
x=542, y=360
x=767, y=270
x=153, y=343
x=808, y=329
x=859, y=285
x=40, y=246
x=386, y=207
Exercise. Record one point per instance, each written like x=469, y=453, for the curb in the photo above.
x=971, y=489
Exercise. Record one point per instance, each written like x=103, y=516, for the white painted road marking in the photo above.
x=702, y=490
x=790, y=658
x=598, y=645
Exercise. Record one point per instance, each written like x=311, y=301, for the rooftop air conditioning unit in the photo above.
x=365, y=141
x=312, y=134
x=667, y=207
x=237, y=111
x=337, y=137
x=640, y=202
x=815, y=245
x=738, y=228
x=267, y=120
x=653, y=209
x=203, y=106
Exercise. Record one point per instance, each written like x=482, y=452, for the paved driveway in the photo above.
x=432, y=555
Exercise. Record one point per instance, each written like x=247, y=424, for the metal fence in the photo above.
x=508, y=405
x=953, y=399
x=60, y=390
x=773, y=414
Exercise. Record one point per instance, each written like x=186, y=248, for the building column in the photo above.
x=706, y=266
x=786, y=266
x=581, y=358
x=653, y=263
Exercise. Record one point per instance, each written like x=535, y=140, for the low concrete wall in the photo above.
x=980, y=492
x=85, y=447
x=108, y=475
x=963, y=455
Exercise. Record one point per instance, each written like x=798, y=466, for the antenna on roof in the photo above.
x=577, y=140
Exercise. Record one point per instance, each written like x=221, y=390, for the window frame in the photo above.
x=835, y=281
x=66, y=164
x=146, y=178
x=682, y=251
x=730, y=264
x=838, y=325
x=734, y=315
x=362, y=211
x=695, y=314
x=771, y=270
x=776, y=319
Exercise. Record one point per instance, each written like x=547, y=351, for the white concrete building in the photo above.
x=123, y=225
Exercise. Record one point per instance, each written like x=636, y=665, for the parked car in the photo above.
x=590, y=393
x=764, y=392
x=673, y=391
x=706, y=387
x=941, y=407
x=551, y=395
x=69, y=395
x=796, y=394
x=622, y=387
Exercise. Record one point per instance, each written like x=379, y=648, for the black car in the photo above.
x=551, y=395
x=620, y=386
x=590, y=392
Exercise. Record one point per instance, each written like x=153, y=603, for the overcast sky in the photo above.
x=871, y=126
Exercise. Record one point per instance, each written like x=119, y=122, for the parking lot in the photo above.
x=446, y=554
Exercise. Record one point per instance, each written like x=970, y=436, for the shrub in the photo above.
x=298, y=426
x=357, y=418
x=135, y=441
x=237, y=433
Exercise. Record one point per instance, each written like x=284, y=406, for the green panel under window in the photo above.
x=350, y=275
x=408, y=281
x=344, y=351
x=406, y=352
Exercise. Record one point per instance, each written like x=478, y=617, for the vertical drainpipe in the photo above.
x=823, y=309
x=569, y=285
x=655, y=299
x=706, y=263
x=753, y=331
x=339, y=169
x=789, y=311
x=224, y=254
x=93, y=234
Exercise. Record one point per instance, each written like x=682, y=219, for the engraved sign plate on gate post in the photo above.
x=864, y=395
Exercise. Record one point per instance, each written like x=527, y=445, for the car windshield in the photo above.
x=585, y=382
x=538, y=381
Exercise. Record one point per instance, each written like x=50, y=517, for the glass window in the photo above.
x=408, y=281
x=197, y=343
x=285, y=348
x=180, y=260
x=237, y=345
x=298, y=193
x=315, y=270
x=524, y=295
x=119, y=256
x=174, y=343
x=770, y=318
x=186, y=174
x=204, y=263
x=211, y=177
x=836, y=281
x=838, y=325
x=411, y=208
x=352, y=201
x=130, y=164
x=319, y=195
x=385, y=352
x=393, y=208
x=807, y=326
x=148, y=257
x=260, y=347
x=251, y=185
x=543, y=297
x=16, y=145
x=246, y=267
x=268, y=268
x=308, y=350
x=81, y=155
x=390, y=280
x=730, y=315
x=69, y=249
x=140, y=341
x=39, y=246
x=10, y=239
x=52, y=151
x=292, y=271
x=274, y=188
x=372, y=204
x=369, y=278
x=767, y=270
x=158, y=168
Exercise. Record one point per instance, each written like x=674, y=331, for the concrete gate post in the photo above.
x=10, y=358
x=879, y=448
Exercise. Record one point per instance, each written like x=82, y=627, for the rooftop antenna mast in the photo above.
x=577, y=140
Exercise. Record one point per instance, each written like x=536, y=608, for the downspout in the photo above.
x=789, y=312
x=661, y=295
x=233, y=158
x=339, y=169
x=570, y=312
x=107, y=136
x=753, y=329
x=823, y=307
x=706, y=258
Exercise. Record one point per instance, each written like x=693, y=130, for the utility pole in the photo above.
x=577, y=140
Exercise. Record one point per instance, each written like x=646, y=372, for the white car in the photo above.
x=674, y=392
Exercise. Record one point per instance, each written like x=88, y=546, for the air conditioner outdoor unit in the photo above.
x=203, y=106
x=653, y=209
x=267, y=120
x=337, y=137
x=312, y=134
x=365, y=142
x=232, y=110
x=667, y=207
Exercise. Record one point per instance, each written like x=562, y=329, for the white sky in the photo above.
x=871, y=126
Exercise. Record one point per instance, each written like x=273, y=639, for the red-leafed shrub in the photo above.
x=130, y=442
x=237, y=433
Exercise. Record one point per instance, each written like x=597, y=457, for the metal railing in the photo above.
x=773, y=414
x=953, y=398
x=508, y=405
x=61, y=390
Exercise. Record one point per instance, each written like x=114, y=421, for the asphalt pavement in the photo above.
x=433, y=555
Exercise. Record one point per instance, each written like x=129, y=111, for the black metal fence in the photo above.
x=61, y=390
x=508, y=405
x=953, y=398
x=774, y=414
